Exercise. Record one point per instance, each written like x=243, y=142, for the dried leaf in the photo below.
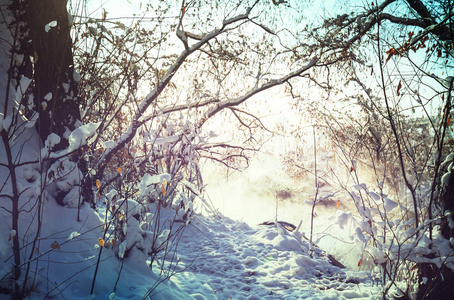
x=120, y=216
x=55, y=245
x=449, y=121
x=360, y=263
x=98, y=183
x=99, y=196
x=119, y=170
x=399, y=86
x=35, y=57
x=338, y=203
x=101, y=242
x=163, y=190
x=112, y=242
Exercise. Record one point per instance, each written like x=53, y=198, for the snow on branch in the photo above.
x=272, y=83
x=137, y=120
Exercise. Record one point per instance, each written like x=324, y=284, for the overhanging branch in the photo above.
x=160, y=86
x=272, y=83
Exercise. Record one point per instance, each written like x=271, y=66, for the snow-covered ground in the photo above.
x=218, y=258
x=226, y=259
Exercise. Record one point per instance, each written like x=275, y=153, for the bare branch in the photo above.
x=161, y=85
x=272, y=83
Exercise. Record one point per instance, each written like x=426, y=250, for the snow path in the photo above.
x=226, y=259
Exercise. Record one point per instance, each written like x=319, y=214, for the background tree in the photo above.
x=406, y=46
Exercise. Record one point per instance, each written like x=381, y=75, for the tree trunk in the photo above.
x=53, y=69
x=46, y=38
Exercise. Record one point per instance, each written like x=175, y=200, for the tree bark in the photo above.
x=53, y=68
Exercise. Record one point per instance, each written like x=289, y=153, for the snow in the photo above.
x=166, y=140
x=108, y=145
x=73, y=235
x=360, y=235
x=147, y=182
x=389, y=204
x=52, y=140
x=77, y=77
x=343, y=218
x=445, y=179
x=50, y=25
x=232, y=259
x=32, y=121
x=24, y=83
x=78, y=138
x=6, y=123
x=374, y=196
x=361, y=186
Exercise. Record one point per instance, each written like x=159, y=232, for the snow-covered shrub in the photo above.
x=388, y=242
x=396, y=188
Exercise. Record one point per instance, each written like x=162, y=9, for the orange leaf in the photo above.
x=98, y=183
x=99, y=196
x=399, y=86
x=338, y=203
x=120, y=216
x=449, y=121
x=55, y=245
x=101, y=242
x=112, y=242
x=119, y=170
x=163, y=190
x=360, y=263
